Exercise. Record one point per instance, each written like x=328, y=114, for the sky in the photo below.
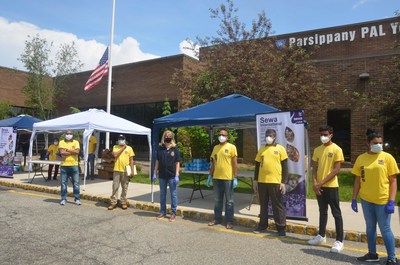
x=151, y=29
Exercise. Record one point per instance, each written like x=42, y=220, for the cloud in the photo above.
x=189, y=48
x=14, y=34
x=360, y=3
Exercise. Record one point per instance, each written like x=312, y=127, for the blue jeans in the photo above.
x=163, y=195
x=373, y=214
x=73, y=172
x=221, y=188
x=90, y=165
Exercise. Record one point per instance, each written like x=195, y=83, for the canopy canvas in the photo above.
x=235, y=111
x=90, y=120
x=20, y=122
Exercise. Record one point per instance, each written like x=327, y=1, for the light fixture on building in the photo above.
x=364, y=76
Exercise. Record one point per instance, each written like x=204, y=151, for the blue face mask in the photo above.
x=376, y=148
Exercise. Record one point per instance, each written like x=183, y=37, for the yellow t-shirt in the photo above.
x=326, y=157
x=222, y=159
x=70, y=160
x=270, y=158
x=374, y=170
x=92, y=144
x=123, y=160
x=53, y=149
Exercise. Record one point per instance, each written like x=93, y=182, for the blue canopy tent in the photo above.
x=20, y=122
x=233, y=111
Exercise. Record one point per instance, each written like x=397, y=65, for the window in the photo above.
x=340, y=121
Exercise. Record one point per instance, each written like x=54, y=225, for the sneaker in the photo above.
x=172, y=218
x=318, y=240
x=282, y=233
x=124, y=206
x=62, y=202
x=77, y=202
x=112, y=206
x=391, y=261
x=337, y=247
x=160, y=216
x=259, y=230
x=369, y=257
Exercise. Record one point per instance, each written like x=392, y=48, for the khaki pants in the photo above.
x=119, y=178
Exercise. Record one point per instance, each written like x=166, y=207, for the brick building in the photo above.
x=349, y=57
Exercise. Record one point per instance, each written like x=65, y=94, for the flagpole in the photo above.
x=110, y=71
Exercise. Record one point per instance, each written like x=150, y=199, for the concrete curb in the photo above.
x=250, y=222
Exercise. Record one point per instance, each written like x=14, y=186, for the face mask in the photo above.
x=222, y=139
x=68, y=137
x=325, y=139
x=269, y=140
x=376, y=148
x=55, y=143
x=167, y=140
x=121, y=142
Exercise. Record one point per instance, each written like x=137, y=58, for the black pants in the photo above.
x=330, y=196
x=265, y=193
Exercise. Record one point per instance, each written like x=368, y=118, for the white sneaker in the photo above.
x=62, y=202
x=77, y=202
x=337, y=247
x=318, y=240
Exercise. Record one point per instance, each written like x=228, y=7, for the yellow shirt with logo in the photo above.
x=92, y=144
x=53, y=149
x=374, y=171
x=222, y=159
x=326, y=157
x=70, y=160
x=123, y=159
x=270, y=158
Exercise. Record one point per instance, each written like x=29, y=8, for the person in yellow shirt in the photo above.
x=376, y=181
x=123, y=155
x=270, y=176
x=69, y=150
x=51, y=154
x=223, y=173
x=327, y=159
x=91, y=156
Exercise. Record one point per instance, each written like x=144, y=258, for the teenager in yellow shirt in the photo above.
x=327, y=159
x=51, y=153
x=376, y=181
x=91, y=156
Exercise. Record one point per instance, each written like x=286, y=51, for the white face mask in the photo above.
x=222, y=139
x=121, y=142
x=325, y=139
x=55, y=143
x=376, y=148
x=68, y=137
x=269, y=140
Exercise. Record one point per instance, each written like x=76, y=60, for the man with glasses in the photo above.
x=326, y=164
x=69, y=149
x=222, y=172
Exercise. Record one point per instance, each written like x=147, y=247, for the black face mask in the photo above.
x=167, y=140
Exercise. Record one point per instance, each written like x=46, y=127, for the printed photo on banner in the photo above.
x=290, y=133
x=8, y=137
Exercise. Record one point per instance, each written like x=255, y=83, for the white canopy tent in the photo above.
x=90, y=120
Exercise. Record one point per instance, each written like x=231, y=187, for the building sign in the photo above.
x=8, y=137
x=365, y=32
x=289, y=127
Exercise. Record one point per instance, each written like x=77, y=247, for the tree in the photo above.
x=46, y=78
x=252, y=63
x=5, y=110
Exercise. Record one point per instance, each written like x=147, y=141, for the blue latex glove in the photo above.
x=389, y=208
x=354, y=205
x=154, y=176
x=176, y=180
x=209, y=179
x=235, y=183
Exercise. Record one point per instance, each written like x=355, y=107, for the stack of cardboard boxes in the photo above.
x=106, y=167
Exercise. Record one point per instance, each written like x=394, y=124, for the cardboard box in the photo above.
x=102, y=174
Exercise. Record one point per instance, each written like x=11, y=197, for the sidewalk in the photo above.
x=139, y=196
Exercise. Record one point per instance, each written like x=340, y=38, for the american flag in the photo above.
x=98, y=73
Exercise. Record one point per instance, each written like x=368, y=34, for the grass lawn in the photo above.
x=346, y=181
